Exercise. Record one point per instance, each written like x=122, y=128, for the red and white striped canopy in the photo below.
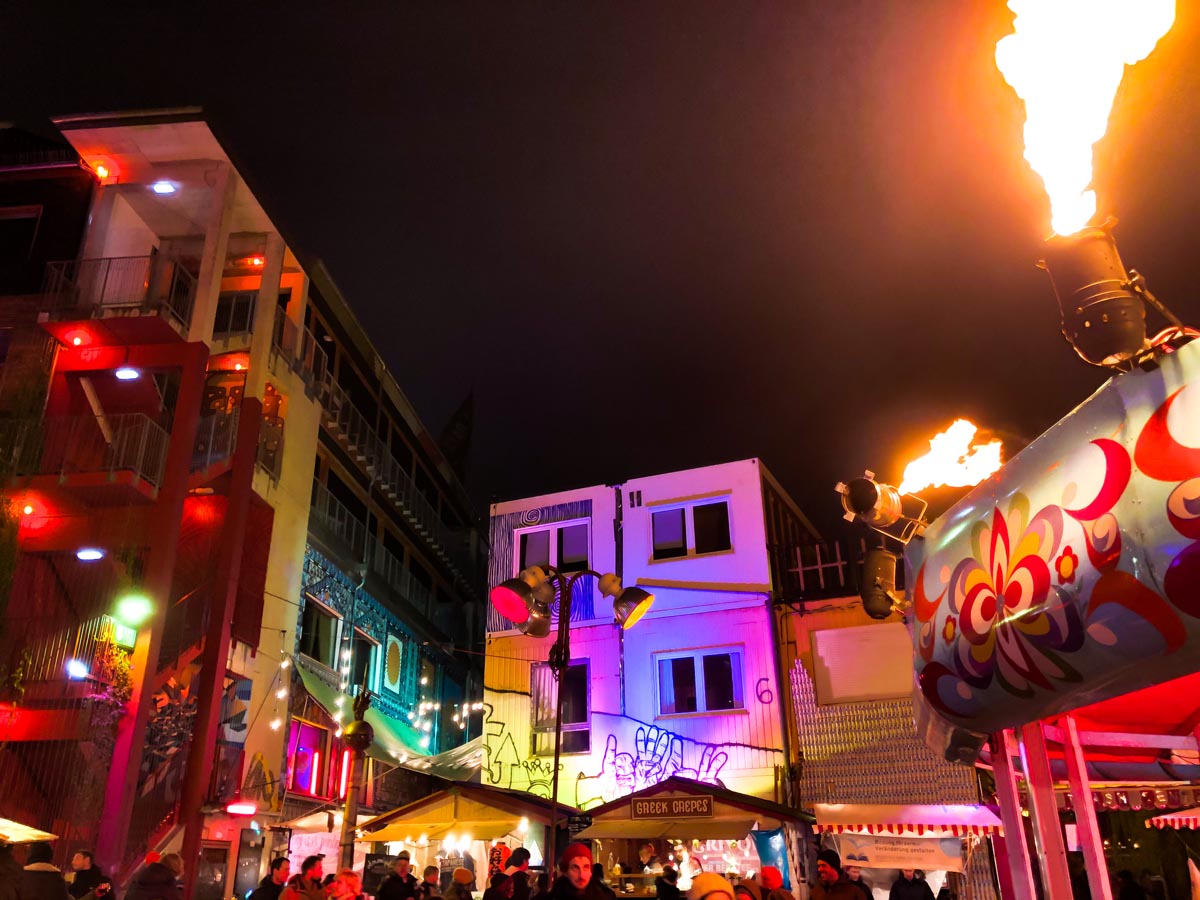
x=908, y=820
x=1185, y=818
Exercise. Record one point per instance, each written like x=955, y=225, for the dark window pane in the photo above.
x=669, y=537
x=575, y=691
x=677, y=685
x=573, y=548
x=722, y=682
x=535, y=549
x=576, y=742
x=318, y=634
x=363, y=650
x=711, y=523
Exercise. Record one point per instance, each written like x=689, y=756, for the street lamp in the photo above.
x=525, y=601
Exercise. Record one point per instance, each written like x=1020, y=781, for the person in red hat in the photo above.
x=575, y=882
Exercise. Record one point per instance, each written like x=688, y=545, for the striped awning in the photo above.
x=1185, y=818
x=907, y=820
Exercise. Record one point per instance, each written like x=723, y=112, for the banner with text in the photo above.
x=882, y=852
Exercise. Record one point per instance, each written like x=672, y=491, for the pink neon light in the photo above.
x=316, y=771
x=345, y=773
x=242, y=808
x=509, y=604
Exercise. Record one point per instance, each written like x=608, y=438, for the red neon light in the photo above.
x=316, y=771
x=345, y=773
x=241, y=808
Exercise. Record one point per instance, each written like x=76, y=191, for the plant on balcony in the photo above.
x=12, y=680
x=112, y=688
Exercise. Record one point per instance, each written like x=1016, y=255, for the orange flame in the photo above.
x=952, y=460
x=1066, y=60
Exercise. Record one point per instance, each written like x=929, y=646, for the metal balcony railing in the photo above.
x=69, y=445
x=284, y=335
x=121, y=282
x=331, y=513
x=392, y=570
x=216, y=439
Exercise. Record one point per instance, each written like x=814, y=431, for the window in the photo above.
x=18, y=231
x=319, y=633
x=564, y=545
x=576, y=718
x=691, y=530
x=364, y=663
x=308, y=757
x=699, y=681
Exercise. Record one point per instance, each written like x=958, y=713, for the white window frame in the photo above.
x=547, y=728
x=309, y=599
x=697, y=655
x=553, y=527
x=689, y=527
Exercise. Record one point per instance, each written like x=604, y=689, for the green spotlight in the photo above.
x=133, y=609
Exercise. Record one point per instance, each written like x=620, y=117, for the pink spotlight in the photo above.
x=509, y=603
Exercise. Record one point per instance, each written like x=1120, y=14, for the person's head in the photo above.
x=519, y=859
x=829, y=866
x=312, y=868
x=281, y=869
x=81, y=860
x=771, y=878
x=908, y=874
x=403, y=861
x=646, y=852
x=463, y=876
x=710, y=885
x=854, y=873
x=174, y=862
x=670, y=876
x=747, y=890
x=329, y=879
x=39, y=852
x=350, y=878
x=576, y=864
x=431, y=874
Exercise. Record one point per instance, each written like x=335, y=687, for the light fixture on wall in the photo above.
x=525, y=601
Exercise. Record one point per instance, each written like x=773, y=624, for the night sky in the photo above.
x=654, y=236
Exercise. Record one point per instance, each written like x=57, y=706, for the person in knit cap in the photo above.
x=460, y=884
x=710, y=885
x=830, y=885
x=575, y=879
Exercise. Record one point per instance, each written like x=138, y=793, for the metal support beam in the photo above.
x=1043, y=809
x=1085, y=812
x=1016, y=853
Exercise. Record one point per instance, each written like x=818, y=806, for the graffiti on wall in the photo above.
x=262, y=784
x=627, y=756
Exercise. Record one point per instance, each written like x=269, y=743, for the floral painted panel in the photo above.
x=1073, y=574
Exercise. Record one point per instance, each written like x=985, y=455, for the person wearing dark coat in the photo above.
x=86, y=876
x=10, y=874
x=274, y=881
x=575, y=881
x=157, y=880
x=40, y=879
x=666, y=885
x=909, y=887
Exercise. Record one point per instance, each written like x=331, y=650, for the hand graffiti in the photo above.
x=712, y=761
x=651, y=745
x=615, y=778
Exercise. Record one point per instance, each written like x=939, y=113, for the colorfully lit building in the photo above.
x=693, y=690
x=224, y=516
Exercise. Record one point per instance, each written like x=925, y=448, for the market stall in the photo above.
x=460, y=826
x=698, y=825
x=882, y=838
x=1184, y=818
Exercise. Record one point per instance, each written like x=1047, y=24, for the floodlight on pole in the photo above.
x=525, y=601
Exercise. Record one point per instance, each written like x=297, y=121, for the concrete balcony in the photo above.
x=120, y=286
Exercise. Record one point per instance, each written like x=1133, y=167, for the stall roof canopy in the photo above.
x=484, y=812
x=15, y=833
x=906, y=820
x=395, y=741
x=1184, y=818
x=732, y=817
x=456, y=764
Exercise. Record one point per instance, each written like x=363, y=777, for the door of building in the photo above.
x=212, y=871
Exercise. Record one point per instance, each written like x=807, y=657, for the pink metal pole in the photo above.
x=1047, y=833
x=1016, y=852
x=1085, y=812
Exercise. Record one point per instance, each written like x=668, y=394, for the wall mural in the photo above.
x=262, y=784
x=627, y=756
x=1076, y=574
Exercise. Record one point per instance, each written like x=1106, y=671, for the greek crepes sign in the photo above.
x=883, y=852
